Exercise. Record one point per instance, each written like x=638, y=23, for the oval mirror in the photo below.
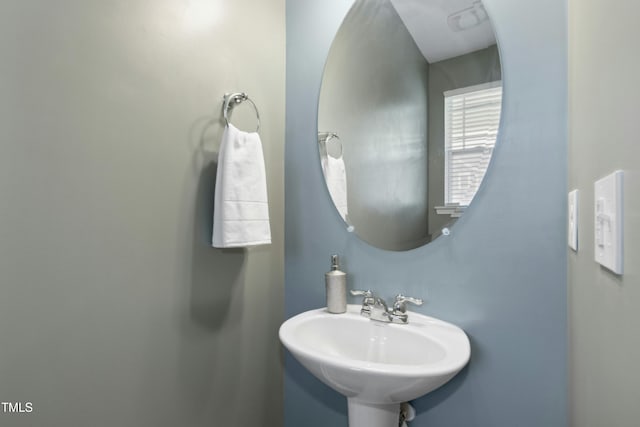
x=408, y=116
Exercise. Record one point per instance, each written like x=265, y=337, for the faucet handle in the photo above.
x=367, y=301
x=358, y=293
x=400, y=304
x=367, y=295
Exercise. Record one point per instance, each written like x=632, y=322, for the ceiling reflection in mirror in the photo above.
x=408, y=116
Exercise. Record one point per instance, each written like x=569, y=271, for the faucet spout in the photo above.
x=379, y=311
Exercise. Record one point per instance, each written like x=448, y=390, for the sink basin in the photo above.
x=376, y=365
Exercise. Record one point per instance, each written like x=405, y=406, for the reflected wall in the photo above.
x=374, y=97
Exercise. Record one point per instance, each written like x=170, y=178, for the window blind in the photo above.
x=472, y=117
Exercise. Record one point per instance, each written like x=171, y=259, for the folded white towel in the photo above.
x=241, y=209
x=336, y=179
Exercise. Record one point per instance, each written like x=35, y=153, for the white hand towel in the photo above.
x=336, y=178
x=241, y=208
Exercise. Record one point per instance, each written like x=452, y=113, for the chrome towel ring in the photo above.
x=233, y=99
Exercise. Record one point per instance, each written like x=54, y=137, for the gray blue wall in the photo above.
x=501, y=275
x=114, y=308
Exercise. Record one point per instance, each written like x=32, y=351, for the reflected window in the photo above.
x=472, y=118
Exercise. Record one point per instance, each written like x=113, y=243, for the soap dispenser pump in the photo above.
x=336, y=287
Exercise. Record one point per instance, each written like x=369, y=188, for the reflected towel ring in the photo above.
x=325, y=137
x=232, y=99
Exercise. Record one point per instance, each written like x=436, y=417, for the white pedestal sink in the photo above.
x=376, y=365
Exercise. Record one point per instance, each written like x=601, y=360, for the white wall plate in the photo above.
x=572, y=226
x=608, y=239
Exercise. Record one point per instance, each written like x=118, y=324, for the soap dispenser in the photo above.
x=336, y=287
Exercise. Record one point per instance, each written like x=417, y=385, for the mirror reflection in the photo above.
x=408, y=116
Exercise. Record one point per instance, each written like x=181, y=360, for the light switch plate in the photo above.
x=608, y=221
x=572, y=228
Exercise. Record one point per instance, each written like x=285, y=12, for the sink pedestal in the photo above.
x=362, y=414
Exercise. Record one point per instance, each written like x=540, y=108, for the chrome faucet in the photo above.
x=376, y=308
